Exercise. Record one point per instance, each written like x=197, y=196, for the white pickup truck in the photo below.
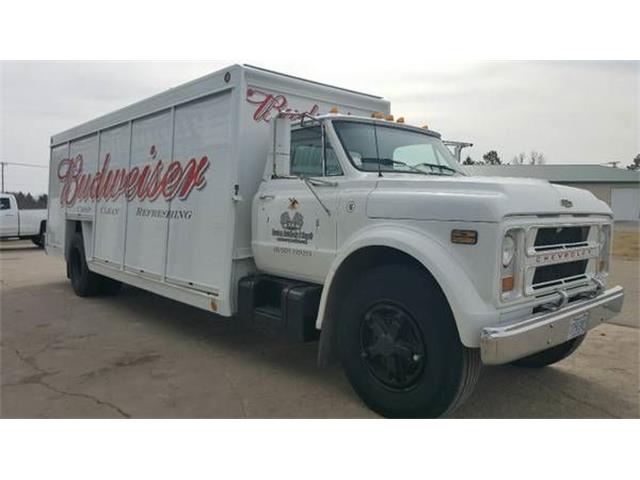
x=21, y=224
x=260, y=196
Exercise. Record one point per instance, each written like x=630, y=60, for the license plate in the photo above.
x=578, y=326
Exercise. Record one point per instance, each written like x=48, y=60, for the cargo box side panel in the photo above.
x=111, y=208
x=146, y=224
x=202, y=221
x=77, y=177
x=56, y=209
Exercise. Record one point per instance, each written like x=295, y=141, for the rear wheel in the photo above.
x=85, y=283
x=551, y=355
x=400, y=347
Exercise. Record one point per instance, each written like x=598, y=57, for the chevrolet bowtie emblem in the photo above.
x=566, y=203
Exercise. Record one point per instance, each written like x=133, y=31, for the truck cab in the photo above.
x=384, y=218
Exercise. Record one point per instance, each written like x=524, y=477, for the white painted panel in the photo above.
x=111, y=203
x=55, y=220
x=201, y=225
x=625, y=203
x=79, y=176
x=146, y=227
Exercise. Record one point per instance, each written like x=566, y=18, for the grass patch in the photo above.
x=626, y=244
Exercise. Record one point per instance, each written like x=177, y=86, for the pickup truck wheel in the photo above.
x=400, y=347
x=38, y=241
x=85, y=283
x=551, y=355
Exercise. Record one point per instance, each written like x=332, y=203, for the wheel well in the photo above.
x=348, y=272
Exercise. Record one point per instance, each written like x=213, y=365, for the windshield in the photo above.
x=373, y=148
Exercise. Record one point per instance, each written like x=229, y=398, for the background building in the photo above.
x=620, y=188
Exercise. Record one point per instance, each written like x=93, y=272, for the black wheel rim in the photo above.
x=392, y=346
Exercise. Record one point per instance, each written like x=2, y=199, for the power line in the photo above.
x=24, y=164
x=3, y=164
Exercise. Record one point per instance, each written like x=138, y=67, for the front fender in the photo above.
x=470, y=312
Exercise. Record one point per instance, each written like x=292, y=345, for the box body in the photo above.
x=163, y=188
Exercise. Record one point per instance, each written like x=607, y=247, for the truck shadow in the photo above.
x=502, y=392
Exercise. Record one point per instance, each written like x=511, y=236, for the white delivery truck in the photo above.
x=254, y=194
x=20, y=223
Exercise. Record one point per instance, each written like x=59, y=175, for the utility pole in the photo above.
x=4, y=164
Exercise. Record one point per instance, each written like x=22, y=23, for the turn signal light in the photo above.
x=466, y=237
x=507, y=284
x=400, y=120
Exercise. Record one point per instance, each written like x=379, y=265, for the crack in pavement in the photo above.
x=38, y=379
x=236, y=393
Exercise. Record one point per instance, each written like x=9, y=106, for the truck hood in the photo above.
x=477, y=199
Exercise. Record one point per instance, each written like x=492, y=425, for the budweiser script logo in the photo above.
x=176, y=179
x=269, y=105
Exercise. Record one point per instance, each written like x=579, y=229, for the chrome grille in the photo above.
x=559, y=257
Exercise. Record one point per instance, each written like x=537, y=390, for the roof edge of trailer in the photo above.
x=293, y=77
x=191, y=91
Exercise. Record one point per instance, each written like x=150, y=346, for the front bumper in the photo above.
x=505, y=343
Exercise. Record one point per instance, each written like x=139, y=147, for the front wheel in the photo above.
x=400, y=347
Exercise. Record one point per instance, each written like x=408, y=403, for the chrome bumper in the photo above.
x=508, y=342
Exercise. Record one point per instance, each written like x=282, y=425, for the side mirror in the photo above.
x=281, y=147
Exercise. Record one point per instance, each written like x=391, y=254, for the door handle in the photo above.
x=266, y=197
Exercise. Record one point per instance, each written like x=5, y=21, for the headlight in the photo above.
x=602, y=236
x=508, y=250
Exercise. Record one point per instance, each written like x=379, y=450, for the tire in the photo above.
x=551, y=355
x=85, y=283
x=400, y=347
x=38, y=241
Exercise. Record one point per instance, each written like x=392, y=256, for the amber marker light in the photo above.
x=465, y=237
x=507, y=284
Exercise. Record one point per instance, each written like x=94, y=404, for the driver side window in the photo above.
x=306, y=154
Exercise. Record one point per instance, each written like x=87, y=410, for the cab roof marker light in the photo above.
x=400, y=120
x=426, y=127
x=389, y=118
x=334, y=110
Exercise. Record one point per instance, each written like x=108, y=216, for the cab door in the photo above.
x=295, y=227
x=8, y=217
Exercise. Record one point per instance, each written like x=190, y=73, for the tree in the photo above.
x=27, y=202
x=470, y=161
x=536, y=158
x=519, y=159
x=636, y=163
x=492, y=158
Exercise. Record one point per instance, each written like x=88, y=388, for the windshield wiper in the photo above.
x=436, y=165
